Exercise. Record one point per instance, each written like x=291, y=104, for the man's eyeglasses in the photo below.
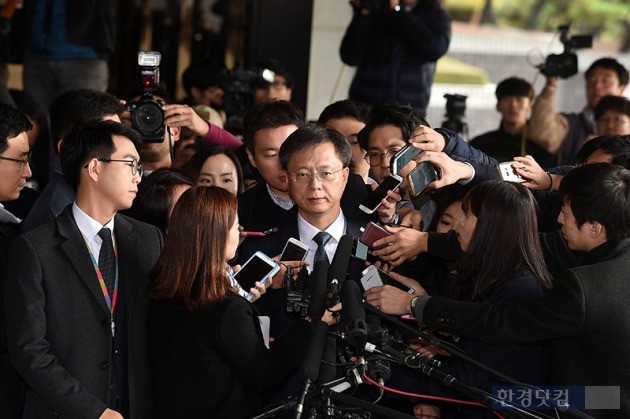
x=323, y=176
x=135, y=167
x=23, y=162
x=375, y=159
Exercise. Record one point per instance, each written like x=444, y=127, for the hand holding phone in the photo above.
x=294, y=250
x=372, y=233
x=404, y=156
x=259, y=268
x=508, y=173
x=373, y=201
x=374, y=277
x=420, y=177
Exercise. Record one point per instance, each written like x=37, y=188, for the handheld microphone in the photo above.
x=339, y=267
x=317, y=301
x=353, y=315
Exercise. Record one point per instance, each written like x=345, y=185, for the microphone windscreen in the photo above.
x=341, y=259
x=317, y=301
x=351, y=302
x=315, y=350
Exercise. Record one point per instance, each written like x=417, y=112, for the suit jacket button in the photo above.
x=104, y=365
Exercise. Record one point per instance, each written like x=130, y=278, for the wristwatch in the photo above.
x=413, y=304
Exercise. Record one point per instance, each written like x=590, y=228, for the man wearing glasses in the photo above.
x=77, y=288
x=14, y=171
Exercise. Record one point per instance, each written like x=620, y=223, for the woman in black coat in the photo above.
x=208, y=357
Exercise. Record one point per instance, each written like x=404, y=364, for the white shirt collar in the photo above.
x=307, y=231
x=89, y=228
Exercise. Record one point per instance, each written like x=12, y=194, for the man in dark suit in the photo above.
x=586, y=315
x=76, y=292
x=14, y=171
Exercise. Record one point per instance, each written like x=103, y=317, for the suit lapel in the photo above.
x=76, y=250
x=127, y=243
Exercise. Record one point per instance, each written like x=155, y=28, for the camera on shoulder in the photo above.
x=565, y=65
x=147, y=116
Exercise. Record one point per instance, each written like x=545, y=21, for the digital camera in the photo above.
x=147, y=115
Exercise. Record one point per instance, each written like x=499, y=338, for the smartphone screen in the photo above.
x=373, y=201
x=258, y=268
x=508, y=173
x=294, y=250
x=420, y=177
x=403, y=157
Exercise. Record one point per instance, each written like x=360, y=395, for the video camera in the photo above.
x=455, y=112
x=239, y=94
x=147, y=116
x=565, y=65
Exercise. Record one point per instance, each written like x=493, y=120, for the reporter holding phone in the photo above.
x=207, y=354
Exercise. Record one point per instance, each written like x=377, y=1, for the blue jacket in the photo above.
x=395, y=54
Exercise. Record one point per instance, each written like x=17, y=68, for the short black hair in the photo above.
x=311, y=136
x=346, y=108
x=270, y=114
x=514, y=86
x=93, y=140
x=404, y=117
x=610, y=64
x=77, y=107
x=619, y=104
x=202, y=76
x=617, y=146
x=599, y=192
x=279, y=70
x=12, y=123
x=155, y=194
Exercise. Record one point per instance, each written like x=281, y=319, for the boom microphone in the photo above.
x=339, y=267
x=312, y=360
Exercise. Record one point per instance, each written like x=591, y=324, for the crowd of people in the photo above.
x=120, y=288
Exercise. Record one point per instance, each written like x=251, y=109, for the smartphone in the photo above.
x=294, y=250
x=403, y=157
x=420, y=177
x=259, y=267
x=373, y=201
x=374, y=277
x=372, y=233
x=508, y=173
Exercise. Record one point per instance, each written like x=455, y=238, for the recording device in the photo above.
x=403, y=157
x=565, y=65
x=508, y=173
x=374, y=277
x=372, y=233
x=338, y=269
x=353, y=315
x=239, y=95
x=373, y=201
x=455, y=113
x=147, y=116
x=420, y=177
x=259, y=267
x=294, y=250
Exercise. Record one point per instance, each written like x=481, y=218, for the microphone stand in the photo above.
x=450, y=381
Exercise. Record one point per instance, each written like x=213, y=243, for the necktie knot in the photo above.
x=105, y=234
x=321, y=238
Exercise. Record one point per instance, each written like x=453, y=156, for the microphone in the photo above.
x=319, y=333
x=354, y=316
x=311, y=362
x=339, y=267
x=317, y=302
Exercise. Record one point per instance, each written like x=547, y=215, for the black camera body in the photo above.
x=147, y=116
x=239, y=96
x=455, y=112
x=565, y=65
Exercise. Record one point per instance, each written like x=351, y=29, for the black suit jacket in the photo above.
x=586, y=315
x=58, y=323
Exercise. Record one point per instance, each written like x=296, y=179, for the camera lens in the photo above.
x=148, y=117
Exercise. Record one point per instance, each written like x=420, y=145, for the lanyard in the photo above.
x=111, y=302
